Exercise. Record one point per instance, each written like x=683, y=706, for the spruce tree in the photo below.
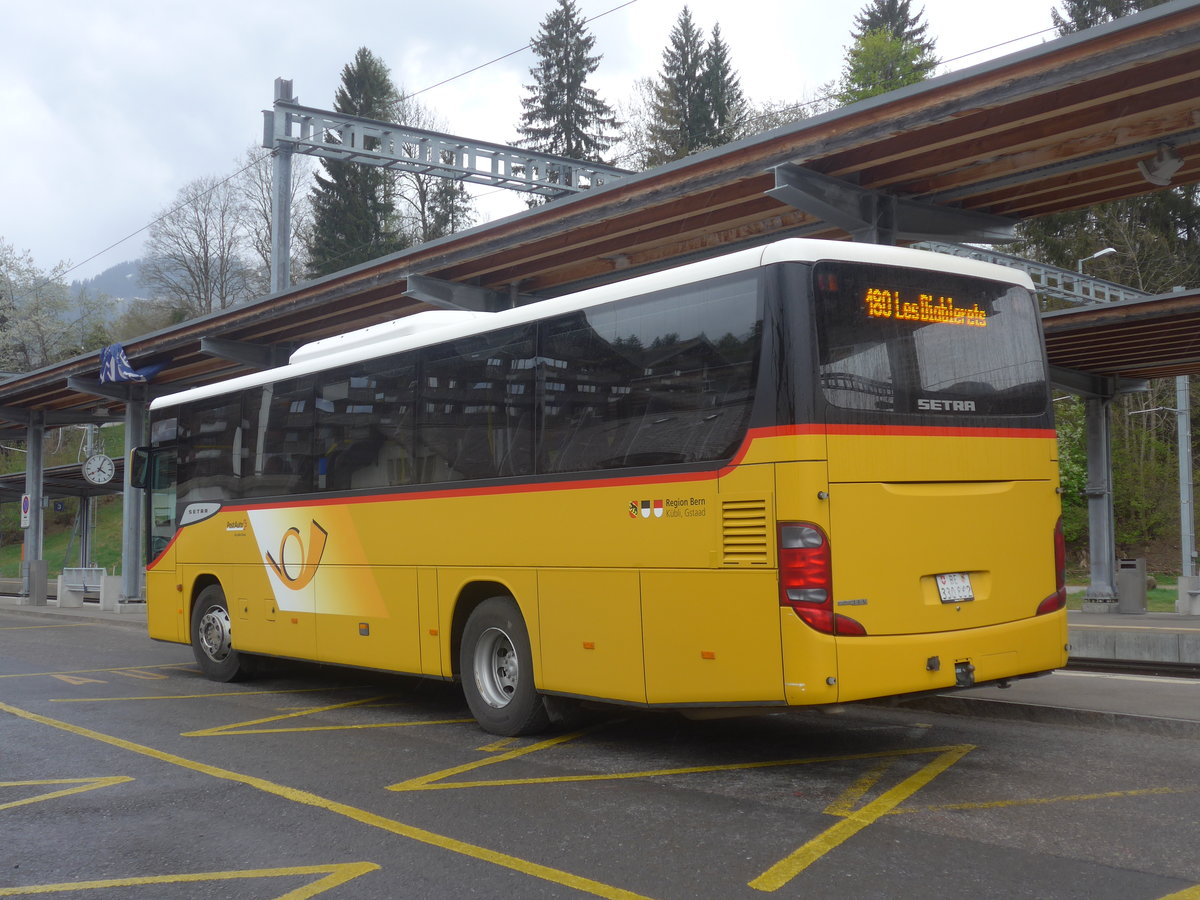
x=1080, y=14
x=726, y=102
x=353, y=210
x=879, y=62
x=896, y=17
x=680, y=109
x=891, y=49
x=697, y=100
x=562, y=115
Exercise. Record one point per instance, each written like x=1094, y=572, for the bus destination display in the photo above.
x=885, y=304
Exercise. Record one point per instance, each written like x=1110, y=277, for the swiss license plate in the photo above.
x=954, y=587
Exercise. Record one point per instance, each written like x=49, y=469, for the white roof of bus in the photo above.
x=410, y=332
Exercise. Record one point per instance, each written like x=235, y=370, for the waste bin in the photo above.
x=1131, y=586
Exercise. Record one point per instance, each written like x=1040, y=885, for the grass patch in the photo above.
x=1159, y=599
x=61, y=545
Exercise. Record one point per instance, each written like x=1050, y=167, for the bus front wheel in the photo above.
x=497, y=670
x=212, y=637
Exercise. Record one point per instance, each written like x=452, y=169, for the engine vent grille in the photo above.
x=744, y=533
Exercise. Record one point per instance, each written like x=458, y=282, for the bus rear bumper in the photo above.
x=871, y=667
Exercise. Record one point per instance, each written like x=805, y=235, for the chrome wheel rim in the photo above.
x=497, y=670
x=214, y=634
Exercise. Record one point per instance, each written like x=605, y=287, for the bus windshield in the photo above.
x=914, y=341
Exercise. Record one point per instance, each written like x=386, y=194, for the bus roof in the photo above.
x=422, y=329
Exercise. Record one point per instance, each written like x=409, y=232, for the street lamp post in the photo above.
x=1079, y=263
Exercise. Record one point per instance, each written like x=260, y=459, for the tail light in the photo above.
x=1058, y=599
x=806, y=579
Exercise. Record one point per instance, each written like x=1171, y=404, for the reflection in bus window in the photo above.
x=666, y=378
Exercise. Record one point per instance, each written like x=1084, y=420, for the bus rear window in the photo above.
x=930, y=343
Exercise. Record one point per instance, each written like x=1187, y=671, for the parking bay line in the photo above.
x=190, y=666
x=241, y=728
x=237, y=728
x=305, y=798
x=335, y=875
x=435, y=780
x=80, y=785
x=207, y=696
x=792, y=865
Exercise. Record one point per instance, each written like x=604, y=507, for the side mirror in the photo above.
x=139, y=467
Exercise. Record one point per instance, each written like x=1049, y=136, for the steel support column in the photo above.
x=85, y=531
x=1101, y=594
x=33, y=570
x=1187, y=509
x=281, y=198
x=133, y=503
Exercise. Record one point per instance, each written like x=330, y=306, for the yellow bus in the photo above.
x=806, y=473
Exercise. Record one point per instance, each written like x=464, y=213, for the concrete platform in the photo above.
x=1149, y=637
x=132, y=614
x=1153, y=705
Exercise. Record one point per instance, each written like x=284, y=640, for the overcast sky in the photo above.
x=111, y=107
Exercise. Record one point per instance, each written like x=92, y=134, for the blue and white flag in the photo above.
x=115, y=367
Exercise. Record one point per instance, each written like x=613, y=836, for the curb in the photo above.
x=132, y=619
x=1056, y=715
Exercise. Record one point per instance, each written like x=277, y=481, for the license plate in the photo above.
x=954, y=587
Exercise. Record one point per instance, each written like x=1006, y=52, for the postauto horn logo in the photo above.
x=298, y=561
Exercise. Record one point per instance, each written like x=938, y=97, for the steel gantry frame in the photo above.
x=291, y=128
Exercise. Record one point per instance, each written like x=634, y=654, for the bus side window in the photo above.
x=476, y=407
x=655, y=380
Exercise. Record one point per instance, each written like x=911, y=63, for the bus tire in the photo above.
x=497, y=670
x=212, y=638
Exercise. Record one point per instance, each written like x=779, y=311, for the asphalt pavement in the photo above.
x=1163, y=705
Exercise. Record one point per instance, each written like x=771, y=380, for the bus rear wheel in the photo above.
x=497, y=670
x=212, y=638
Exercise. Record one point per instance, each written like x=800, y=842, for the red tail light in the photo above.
x=1058, y=599
x=806, y=579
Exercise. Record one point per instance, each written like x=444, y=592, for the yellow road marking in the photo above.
x=241, y=727
x=81, y=785
x=497, y=746
x=31, y=627
x=79, y=679
x=425, y=782
x=1038, y=801
x=94, y=671
x=433, y=781
x=336, y=874
x=143, y=674
x=846, y=801
x=788, y=868
x=208, y=696
x=1192, y=893
x=525, y=867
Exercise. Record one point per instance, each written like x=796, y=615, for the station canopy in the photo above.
x=1100, y=115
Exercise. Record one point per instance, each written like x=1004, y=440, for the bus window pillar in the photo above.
x=34, y=573
x=132, y=504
